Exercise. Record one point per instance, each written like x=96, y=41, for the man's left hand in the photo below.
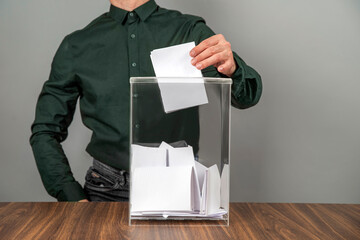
x=214, y=51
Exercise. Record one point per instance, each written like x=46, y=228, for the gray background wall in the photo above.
x=301, y=143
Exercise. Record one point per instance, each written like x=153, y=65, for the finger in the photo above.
x=227, y=68
x=211, y=41
x=212, y=60
x=216, y=65
x=207, y=53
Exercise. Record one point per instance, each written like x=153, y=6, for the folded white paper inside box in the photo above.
x=168, y=181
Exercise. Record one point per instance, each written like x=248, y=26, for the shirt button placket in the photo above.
x=134, y=59
x=133, y=45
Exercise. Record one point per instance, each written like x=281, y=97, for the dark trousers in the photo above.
x=104, y=183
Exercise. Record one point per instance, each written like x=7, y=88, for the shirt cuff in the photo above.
x=71, y=192
x=237, y=76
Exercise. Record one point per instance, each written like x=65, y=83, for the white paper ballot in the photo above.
x=168, y=182
x=147, y=156
x=200, y=172
x=165, y=145
x=174, y=61
x=225, y=188
x=183, y=156
x=213, y=190
x=185, y=90
x=162, y=189
x=163, y=214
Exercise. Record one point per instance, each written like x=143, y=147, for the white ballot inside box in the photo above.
x=182, y=187
x=179, y=160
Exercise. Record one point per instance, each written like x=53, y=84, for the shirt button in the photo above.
x=131, y=14
x=132, y=36
x=133, y=64
x=137, y=125
x=135, y=95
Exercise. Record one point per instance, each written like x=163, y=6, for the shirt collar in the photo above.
x=143, y=11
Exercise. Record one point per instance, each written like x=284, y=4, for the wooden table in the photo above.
x=53, y=220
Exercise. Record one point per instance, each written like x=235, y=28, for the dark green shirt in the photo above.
x=94, y=65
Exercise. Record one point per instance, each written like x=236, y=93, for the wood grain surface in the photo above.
x=53, y=220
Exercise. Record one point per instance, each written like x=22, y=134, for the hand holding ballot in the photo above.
x=214, y=51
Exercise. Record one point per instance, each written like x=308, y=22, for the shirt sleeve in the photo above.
x=54, y=113
x=247, y=86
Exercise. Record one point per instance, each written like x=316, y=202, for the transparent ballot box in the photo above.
x=179, y=150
